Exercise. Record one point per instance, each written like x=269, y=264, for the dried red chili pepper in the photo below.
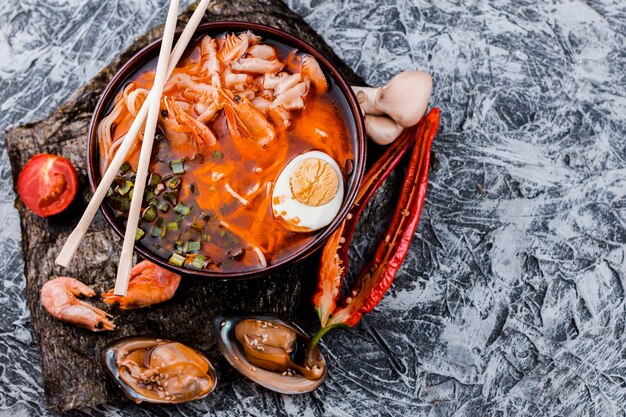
x=377, y=277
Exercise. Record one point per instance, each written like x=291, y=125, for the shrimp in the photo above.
x=256, y=65
x=244, y=120
x=211, y=66
x=262, y=51
x=292, y=98
x=179, y=126
x=59, y=297
x=149, y=284
x=234, y=47
x=311, y=69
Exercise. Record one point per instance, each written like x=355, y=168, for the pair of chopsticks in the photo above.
x=168, y=59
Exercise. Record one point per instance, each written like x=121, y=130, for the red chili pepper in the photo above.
x=378, y=276
x=334, y=262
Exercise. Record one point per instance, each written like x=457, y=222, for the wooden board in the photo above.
x=72, y=373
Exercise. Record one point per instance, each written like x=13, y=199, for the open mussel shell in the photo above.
x=234, y=353
x=170, y=372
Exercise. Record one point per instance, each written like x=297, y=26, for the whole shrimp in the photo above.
x=59, y=297
x=244, y=120
x=149, y=284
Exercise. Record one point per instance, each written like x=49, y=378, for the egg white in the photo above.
x=310, y=217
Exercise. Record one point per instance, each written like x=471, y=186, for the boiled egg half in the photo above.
x=308, y=192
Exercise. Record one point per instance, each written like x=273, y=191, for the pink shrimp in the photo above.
x=180, y=127
x=311, y=69
x=244, y=120
x=149, y=284
x=59, y=297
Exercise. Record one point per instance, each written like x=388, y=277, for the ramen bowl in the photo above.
x=350, y=114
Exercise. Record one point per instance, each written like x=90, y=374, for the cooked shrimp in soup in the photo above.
x=252, y=153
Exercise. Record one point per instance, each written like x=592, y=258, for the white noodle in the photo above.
x=253, y=189
x=258, y=252
x=237, y=196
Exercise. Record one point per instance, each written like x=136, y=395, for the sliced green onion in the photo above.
x=156, y=231
x=177, y=166
x=179, y=218
x=193, y=246
x=171, y=197
x=149, y=214
x=139, y=233
x=125, y=188
x=125, y=204
x=149, y=195
x=125, y=167
x=155, y=179
x=153, y=202
x=197, y=226
x=177, y=259
x=180, y=248
x=218, y=155
x=173, y=183
x=172, y=226
x=182, y=209
x=198, y=262
x=163, y=207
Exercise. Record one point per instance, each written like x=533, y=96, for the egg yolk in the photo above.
x=314, y=182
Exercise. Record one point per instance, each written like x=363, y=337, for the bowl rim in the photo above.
x=151, y=50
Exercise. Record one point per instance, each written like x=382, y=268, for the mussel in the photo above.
x=272, y=352
x=158, y=370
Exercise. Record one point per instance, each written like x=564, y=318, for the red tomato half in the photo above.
x=47, y=184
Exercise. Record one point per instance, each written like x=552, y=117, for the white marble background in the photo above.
x=512, y=300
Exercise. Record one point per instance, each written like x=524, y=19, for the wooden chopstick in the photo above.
x=73, y=241
x=123, y=268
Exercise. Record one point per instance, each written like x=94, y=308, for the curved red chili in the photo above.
x=377, y=277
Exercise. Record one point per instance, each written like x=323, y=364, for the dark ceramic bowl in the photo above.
x=355, y=124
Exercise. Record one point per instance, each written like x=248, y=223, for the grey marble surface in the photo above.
x=512, y=300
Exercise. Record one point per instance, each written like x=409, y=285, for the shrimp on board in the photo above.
x=59, y=298
x=149, y=284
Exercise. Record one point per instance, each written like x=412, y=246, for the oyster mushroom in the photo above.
x=271, y=352
x=158, y=370
x=403, y=100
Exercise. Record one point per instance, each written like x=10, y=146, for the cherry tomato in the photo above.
x=47, y=184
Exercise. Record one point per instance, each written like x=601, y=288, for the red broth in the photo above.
x=200, y=214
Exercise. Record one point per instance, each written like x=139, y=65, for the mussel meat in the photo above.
x=158, y=370
x=272, y=352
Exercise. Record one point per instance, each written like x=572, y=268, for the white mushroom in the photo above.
x=404, y=100
x=381, y=129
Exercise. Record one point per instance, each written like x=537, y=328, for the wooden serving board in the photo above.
x=72, y=373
